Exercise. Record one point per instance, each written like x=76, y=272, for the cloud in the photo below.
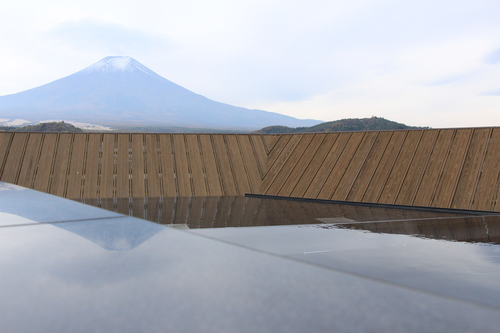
x=494, y=57
x=109, y=38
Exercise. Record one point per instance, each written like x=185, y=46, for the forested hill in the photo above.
x=343, y=125
x=50, y=127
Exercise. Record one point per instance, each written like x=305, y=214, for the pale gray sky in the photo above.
x=427, y=63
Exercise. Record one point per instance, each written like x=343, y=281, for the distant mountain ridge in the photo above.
x=120, y=91
x=343, y=125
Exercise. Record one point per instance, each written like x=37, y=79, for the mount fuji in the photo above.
x=120, y=91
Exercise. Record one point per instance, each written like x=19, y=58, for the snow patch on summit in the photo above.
x=112, y=64
x=119, y=64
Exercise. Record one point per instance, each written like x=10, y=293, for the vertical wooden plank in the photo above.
x=30, y=160
x=400, y=169
x=415, y=173
x=15, y=156
x=75, y=174
x=471, y=170
x=331, y=182
x=369, y=167
x=107, y=164
x=238, y=166
x=447, y=184
x=90, y=189
x=385, y=167
x=169, y=183
x=223, y=211
x=181, y=207
x=47, y=156
x=194, y=217
x=181, y=165
x=212, y=175
x=293, y=168
x=121, y=175
x=280, y=160
x=152, y=166
x=196, y=165
x=484, y=198
x=222, y=158
x=260, y=153
x=251, y=163
x=61, y=164
x=138, y=206
x=358, y=160
x=331, y=159
x=210, y=206
x=137, y=166
x=434, y=169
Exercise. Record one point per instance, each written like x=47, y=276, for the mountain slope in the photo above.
x=121, y=91
x=355, y=124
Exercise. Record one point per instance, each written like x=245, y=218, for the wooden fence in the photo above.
x=449, y=168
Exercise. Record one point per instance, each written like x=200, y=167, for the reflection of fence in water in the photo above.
x=483, y=229
x=234, y=211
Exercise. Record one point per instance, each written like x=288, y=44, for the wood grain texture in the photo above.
x=451, y=168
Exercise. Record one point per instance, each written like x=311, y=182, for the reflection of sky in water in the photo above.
x=77, y=254
x=466, y=270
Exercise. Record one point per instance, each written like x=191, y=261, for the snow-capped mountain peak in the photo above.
x=119, y=90
x=116, y=63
